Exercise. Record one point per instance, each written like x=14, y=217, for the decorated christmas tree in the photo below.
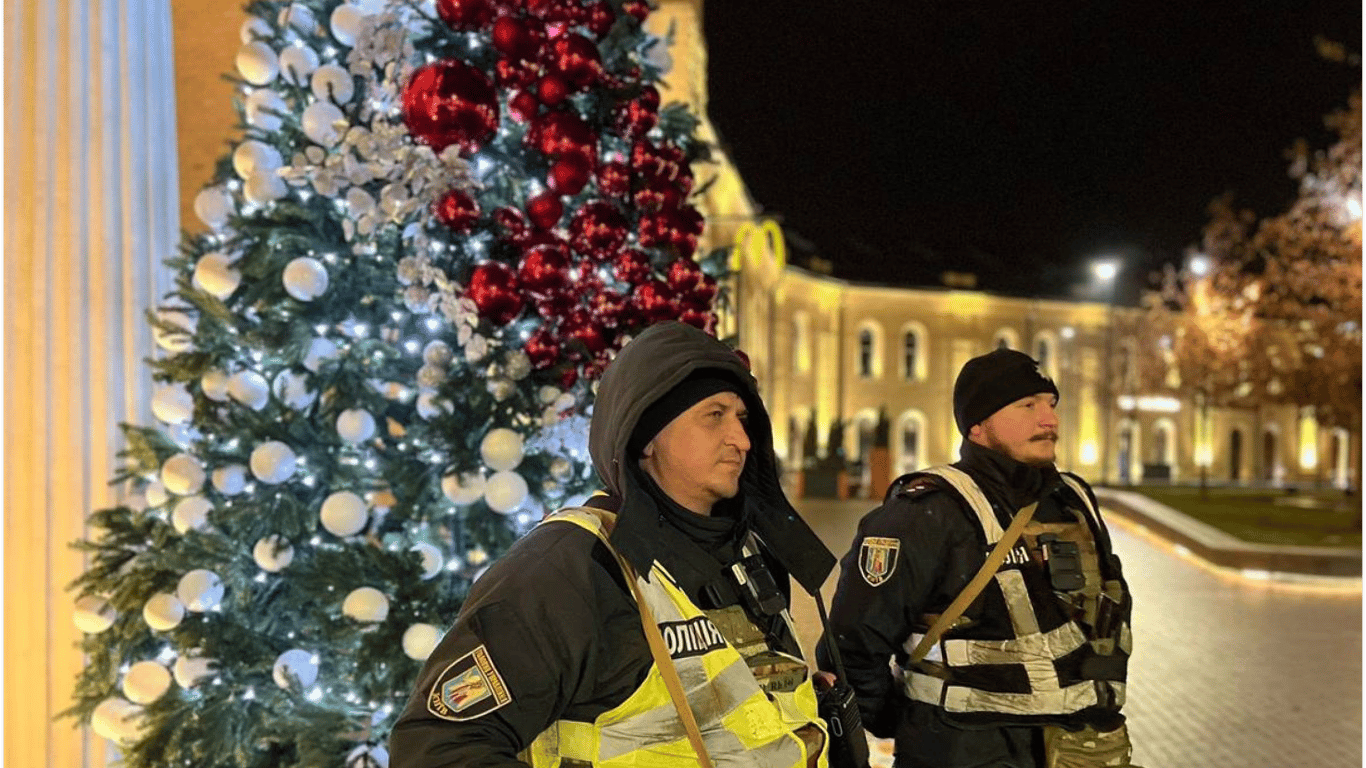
x=441, y=221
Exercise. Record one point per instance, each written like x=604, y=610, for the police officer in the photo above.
x=1032, y=674
x=549, y=663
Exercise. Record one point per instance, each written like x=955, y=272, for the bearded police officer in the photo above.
x=1032, y=674
x=550, y=663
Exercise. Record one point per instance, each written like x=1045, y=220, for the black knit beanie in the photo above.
x=699, y=386
x=991, y=382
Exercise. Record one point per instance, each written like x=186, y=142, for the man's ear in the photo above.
x=649, y=450
x=975, y=431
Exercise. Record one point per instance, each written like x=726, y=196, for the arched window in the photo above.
x=1041, y=353
x=910, y=348
x=801, y=346
x=865, y=353
x=909, y=443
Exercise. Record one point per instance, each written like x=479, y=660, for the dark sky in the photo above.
x=1016, y=140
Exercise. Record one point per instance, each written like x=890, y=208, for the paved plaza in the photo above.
x=1226, y=671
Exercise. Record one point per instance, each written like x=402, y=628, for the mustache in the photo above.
x=1045, y=436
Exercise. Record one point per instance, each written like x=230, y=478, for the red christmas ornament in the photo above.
x=614, y=179
x=655, y=301
x=639, y=115
x=703, y=294
x=533, y=237
x=744, y=358
x=450, y=102
x=699, y=319
x=523, y=106
x=568, y=175
x=510, y=73
x=544, y=210
x=552, y=90
x=568, y=377
x=576, y=59
x=544, y=269
x=631, y=266
x=609, y=308
x=542, y=349
x=599, y=18
x=516, y=38
x=512, y=220
x=554, y=306
x=636, y=8
x=597, y=230
x=588, y=281
x=561, y=133
x=580, y=329
x=493, y=289
x=457, y=210
x=465, y=15
x=684, y=275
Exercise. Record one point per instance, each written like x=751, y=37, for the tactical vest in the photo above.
x=741, y=724
x=1039, y=644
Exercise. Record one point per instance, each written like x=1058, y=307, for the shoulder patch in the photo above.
x=469, y=688
x=877, y=559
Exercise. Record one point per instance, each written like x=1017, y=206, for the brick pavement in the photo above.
x=1226, y=671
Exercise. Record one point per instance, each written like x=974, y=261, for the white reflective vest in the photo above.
x=740, y=724
x=1049, y=664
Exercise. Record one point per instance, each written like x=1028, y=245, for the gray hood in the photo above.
x=646, y=369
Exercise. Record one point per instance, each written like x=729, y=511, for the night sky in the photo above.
x=1017, y=140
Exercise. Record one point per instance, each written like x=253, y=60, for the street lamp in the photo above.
x=1106, y=273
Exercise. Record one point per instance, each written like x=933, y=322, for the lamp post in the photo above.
x=1106, y=272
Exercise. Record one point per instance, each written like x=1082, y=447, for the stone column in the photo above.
x=90, y=213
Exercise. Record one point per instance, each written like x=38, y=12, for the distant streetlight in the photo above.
x=1199, y=264
x=1106, y=272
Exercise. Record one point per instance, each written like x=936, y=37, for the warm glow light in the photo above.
x=1149, y=404
x=1199, y=265
x=1105, y=269
x=1309, y=440
x=1088, y=452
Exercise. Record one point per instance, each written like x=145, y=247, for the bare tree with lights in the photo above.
x=442, y=220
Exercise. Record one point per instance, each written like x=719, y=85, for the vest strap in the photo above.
x=972, y=494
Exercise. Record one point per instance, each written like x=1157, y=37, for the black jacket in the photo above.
x=941, y=549
x=554, y=614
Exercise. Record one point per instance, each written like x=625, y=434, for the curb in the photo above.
x=1224, y=550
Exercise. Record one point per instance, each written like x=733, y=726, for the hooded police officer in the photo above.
x=548, y=663
x=1032, y=674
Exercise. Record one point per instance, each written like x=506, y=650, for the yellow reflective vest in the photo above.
x=740, y=724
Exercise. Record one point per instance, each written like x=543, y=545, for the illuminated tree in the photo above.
x=442, y=220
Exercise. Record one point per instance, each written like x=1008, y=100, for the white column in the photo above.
x=90, y=213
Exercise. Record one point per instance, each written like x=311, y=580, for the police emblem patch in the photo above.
x=470, y=687
x=877, y=559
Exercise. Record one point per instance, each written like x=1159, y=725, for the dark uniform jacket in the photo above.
x=553, y=617
x=941, y=549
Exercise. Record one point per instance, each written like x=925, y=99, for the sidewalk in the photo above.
x=1224, y=551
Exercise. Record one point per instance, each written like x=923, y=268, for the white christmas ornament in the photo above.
x=93, y=615
x=332, y=82
x=249, y=388
x=501, y=449
x=214, y=385
x=257, y=63
x=263, y=109
x=273, y=553
x=173, y=404
x=252, y=156
x=343, y=514
x=163, y=611
x=431, y=559
x=191, y=514
x=437, y=353
x=214, y=275
x=213, y=206
x=298, y=663
x=297, y=63
x=323, y=123
x=420, y=640
x=156, y=494
x=182, y=475
x=505, y=491
x=273, y=462
x=319, y=350
x=116, y=719
x=355, y=425
x=190, y=668
x=230, y=480
x=366, y=604
x=200, y=590
x=253, y=29
x=368, y=756
x=264, y=187
x=346, y=23
x=305, y=278
x=430, y=405
x=145, y=682
x=299, y=17
x=465, y=488
x=174, y=341
x=291, y=388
